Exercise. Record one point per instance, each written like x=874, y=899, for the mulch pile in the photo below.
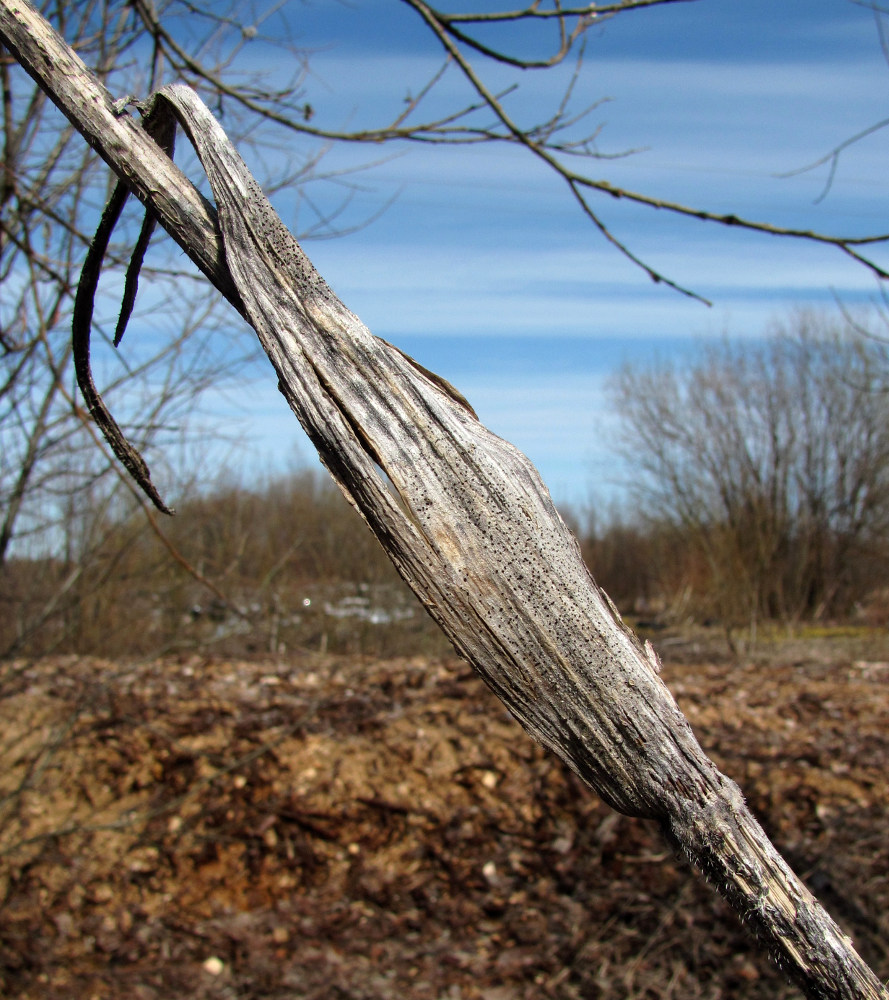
x=344, y=828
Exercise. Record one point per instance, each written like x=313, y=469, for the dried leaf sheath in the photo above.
x=472, y=529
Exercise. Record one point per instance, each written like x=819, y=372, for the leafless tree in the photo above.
x=772, y=458
x=57, y=476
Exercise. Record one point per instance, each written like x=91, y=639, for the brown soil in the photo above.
x=344, y=828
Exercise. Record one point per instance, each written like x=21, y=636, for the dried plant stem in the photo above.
x=465, y=519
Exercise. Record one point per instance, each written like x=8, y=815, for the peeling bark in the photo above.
x=465, y=518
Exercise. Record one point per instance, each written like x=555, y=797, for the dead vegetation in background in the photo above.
x=317, y=826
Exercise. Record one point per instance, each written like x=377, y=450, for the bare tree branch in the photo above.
x=832, y=158
x=540, y=139
x=577, y=182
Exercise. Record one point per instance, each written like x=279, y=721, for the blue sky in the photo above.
x=484, y=269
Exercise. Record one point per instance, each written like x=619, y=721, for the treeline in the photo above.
x=760, y=491
x=242, y=569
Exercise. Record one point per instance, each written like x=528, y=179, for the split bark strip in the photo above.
x=466, y=520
